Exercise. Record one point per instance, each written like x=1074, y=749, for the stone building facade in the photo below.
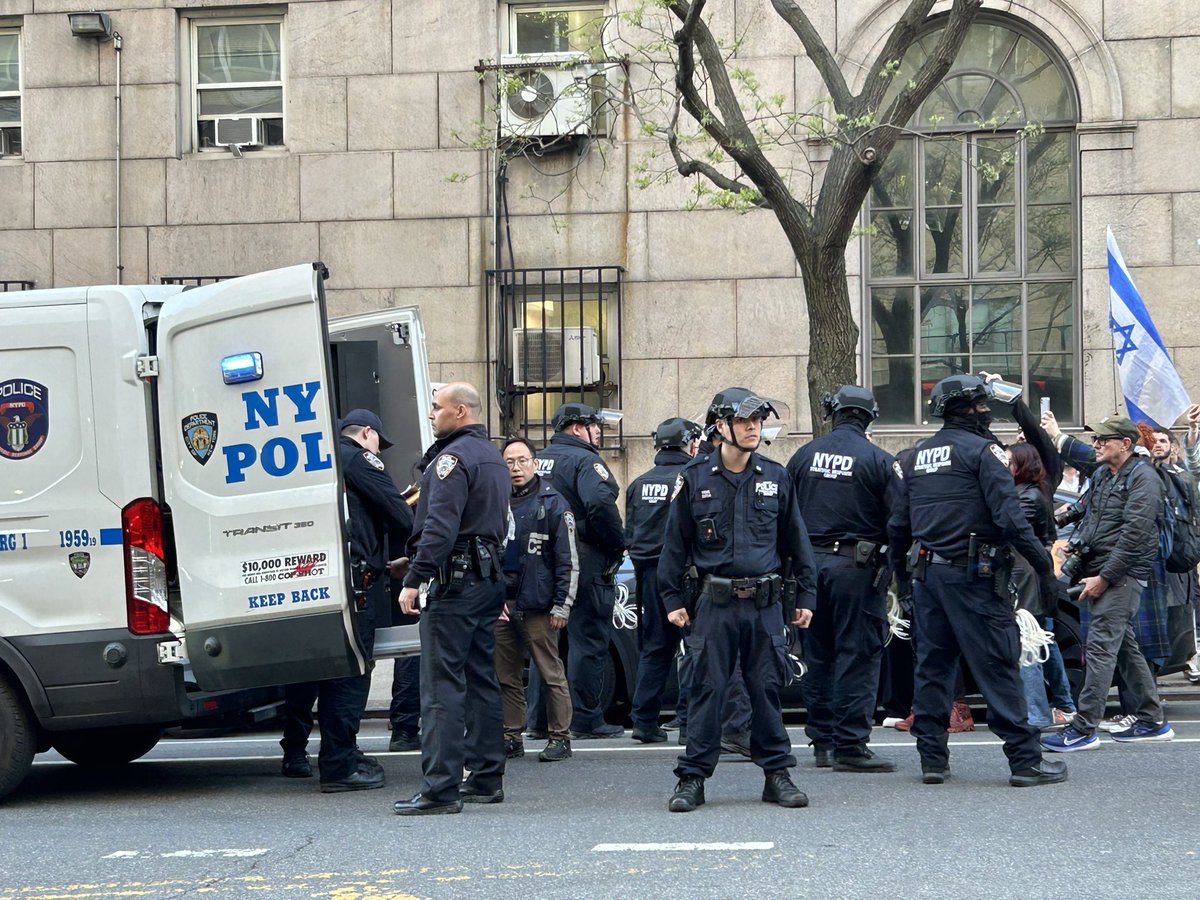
x=372, y=164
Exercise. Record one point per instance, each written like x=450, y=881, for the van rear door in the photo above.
x=252, y=476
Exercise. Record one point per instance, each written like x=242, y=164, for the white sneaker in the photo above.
x=1117, y=723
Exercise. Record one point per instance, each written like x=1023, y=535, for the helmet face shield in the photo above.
x=760, y=407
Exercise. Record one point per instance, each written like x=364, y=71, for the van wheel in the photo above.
x=95, y=747
x=18, y=738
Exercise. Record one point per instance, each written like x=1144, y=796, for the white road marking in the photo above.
x=227, y=853
x=670, y=848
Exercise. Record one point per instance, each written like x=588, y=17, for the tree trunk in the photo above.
x=833, y=336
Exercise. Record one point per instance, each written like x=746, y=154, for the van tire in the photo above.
x=100, y=747
x=18, y=738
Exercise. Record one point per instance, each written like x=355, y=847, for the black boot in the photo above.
x=513, y=748
x=557, y=749
x=1048, y=771
x=860, y=759
x=822, y=757
x=297, y=766
x=780, y=789
x=933, y=774
x=689, y=793
x=653, y=735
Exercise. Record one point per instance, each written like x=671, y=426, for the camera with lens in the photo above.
x=1072, y=566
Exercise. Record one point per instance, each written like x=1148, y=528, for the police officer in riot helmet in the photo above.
x=843, y=487
x=646, y=502
x=376, y=508
x=574, y=468
x=455, y=564
x=735, y=518
x=956, y=507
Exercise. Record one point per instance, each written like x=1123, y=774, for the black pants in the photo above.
x=721, y=636
x=843, y=647
x=340, y=704
x=658, y=641
x=459, y=692
x=588, y=630
x=405, y=710
x=959, y=614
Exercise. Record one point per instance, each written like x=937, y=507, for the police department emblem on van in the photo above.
x=80, y=563
x=200, y=435
x=24, y=417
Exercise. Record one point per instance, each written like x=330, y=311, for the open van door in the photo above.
x=252, y=477
x=379, y=363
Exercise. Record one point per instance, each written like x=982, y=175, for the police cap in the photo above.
x=364, y=418
x=572, y=413
x=850, y=396
x=966, y=388
x=676, y=432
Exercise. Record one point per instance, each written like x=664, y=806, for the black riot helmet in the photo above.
x=677, y=433
x=572, y=413
x=743, y=403
x=850, y=396
x=957, y=393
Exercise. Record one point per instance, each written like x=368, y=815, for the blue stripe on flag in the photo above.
x=1118, y=280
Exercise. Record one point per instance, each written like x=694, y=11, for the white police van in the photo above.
x=172, y=541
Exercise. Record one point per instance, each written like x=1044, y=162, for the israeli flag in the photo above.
x=1153, y=390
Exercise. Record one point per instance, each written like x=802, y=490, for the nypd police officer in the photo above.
x=843, y=483
x=956, y=507
x=646, y=502
x=375, y=509
x=455, y=561
x=574, y=468
x=734, y=516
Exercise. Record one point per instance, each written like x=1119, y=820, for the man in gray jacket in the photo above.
x=1109, y=544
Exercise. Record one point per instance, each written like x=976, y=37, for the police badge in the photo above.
x=1000, y=455
x=445, y=465
x=80, y=563
x=601, y=471
x=200, y=435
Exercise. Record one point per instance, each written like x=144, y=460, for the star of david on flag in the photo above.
x=1153, y=390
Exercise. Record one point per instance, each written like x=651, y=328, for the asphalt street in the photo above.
x=213, y=816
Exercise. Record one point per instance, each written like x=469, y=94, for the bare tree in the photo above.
x=709, y=88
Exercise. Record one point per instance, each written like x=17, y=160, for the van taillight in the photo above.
x=145, y=570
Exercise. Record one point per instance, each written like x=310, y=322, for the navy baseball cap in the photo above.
x=366, y=419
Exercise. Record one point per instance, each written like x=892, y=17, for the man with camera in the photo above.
x=1107, y=556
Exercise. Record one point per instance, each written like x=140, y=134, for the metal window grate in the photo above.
x=193, y=280
x=17, y=285
x=553, y=335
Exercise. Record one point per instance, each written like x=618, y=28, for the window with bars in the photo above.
x=10, y=92
x=972, y=251
x=557, y=338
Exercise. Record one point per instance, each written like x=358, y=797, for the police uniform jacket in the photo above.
x=957, y=483
x=547, y=575
x=843, y=486
x=464, y=494
x=734, y=526
x=374, y=503
x=577, y=472
x=646, y=502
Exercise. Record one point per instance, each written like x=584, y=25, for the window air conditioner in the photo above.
x=239, y=131
x=551, y=101
x=554, y=357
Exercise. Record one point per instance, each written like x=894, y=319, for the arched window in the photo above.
x=972, y=251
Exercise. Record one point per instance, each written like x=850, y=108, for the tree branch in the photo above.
x=936, y=65
x=733, y=134
x=815, y=47
x=899, y=40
